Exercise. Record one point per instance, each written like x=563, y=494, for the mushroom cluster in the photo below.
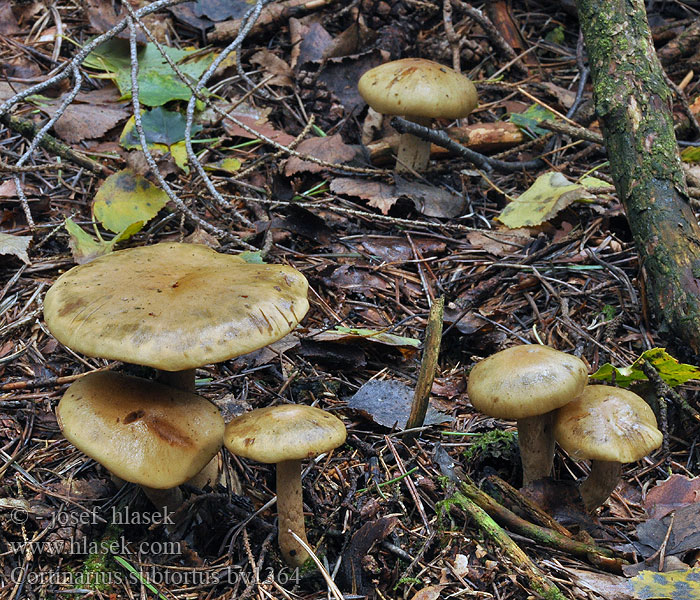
x=174, y=307
x=546, y=392
x=527, y=384
x=419, y=90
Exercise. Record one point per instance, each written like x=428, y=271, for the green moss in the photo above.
x=492, y=444
x=98, y=568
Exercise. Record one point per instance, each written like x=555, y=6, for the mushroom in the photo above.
x=174, y=307
x=608, y=426
x=141, y=431
x=286, y=435
x=419, y=90
x=526, y=384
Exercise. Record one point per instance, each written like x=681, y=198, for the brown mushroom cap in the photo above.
x=415, y=87
x=142, y=431
x=174, y=306
x=287, y=432
x=525, y=381
x=606, y=423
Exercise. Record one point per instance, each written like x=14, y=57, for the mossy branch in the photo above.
x=537, y=579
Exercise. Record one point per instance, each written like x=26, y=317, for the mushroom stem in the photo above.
x=170, y=499
x=413, y=153
x=182, y=380
x=536, y=439
x=602, y=481
x=290, y=512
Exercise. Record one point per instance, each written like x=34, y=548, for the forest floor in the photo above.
x=378, y=248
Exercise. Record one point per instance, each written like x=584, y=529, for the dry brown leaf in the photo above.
x=315, y=40
x=340, y=76
x=432, y=592
x=256, y=119
x=8, y=21
x=102, y=17
x=565, y=97
x=87, y=122
x=379, y=195
x=396, y=249
x=428, y=200
x=8, y=189
x=274, y=65
x=498, y=243
x=330, y=149
x=356, y=280
x=673, y=493
x=356, y=38
x=432, y=201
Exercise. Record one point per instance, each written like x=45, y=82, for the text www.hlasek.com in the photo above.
x=84, y=546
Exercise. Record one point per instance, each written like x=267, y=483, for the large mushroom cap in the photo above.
x=525, y=381
x=608, y=424
x=287, y=432
x=415, y=87
x=143, y=432
x=174, y=306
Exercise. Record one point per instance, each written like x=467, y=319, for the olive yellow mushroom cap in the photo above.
x=608, y=424
x=415, y=87
x=174, y=306
x=525, y=381
x=141, y=431
x=288, y=432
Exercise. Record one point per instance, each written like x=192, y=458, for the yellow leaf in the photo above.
x=674, y=585
x=126, y=198
x=551, y=193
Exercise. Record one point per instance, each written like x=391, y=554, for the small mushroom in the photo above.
x=285, y=435
x=527, y=384
x=419, y=90
x=608, y=426
x=141, y=431
x=174, y=307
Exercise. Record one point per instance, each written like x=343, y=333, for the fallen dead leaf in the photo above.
x=432, y=201
x=431, y=592
x=329, y=149
x=356, y=280
x=673, y=493
x=499, y=243
x=681, y=535
x=102, y=17
x=388, y=403
x=88, y=119
x=604, y=585
x=334, y=356
x=8, y=21
x=355, y=39
x=256, y=119
x=274, y=65
x=352, y=565
x=379, y=195
x=340, y=76
x=396, y=249
x=16, y=245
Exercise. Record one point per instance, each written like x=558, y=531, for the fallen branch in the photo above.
x=535, y=576
x=52, y=145
x=601, y=557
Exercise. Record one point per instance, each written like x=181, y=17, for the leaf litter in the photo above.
x=376, y=252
